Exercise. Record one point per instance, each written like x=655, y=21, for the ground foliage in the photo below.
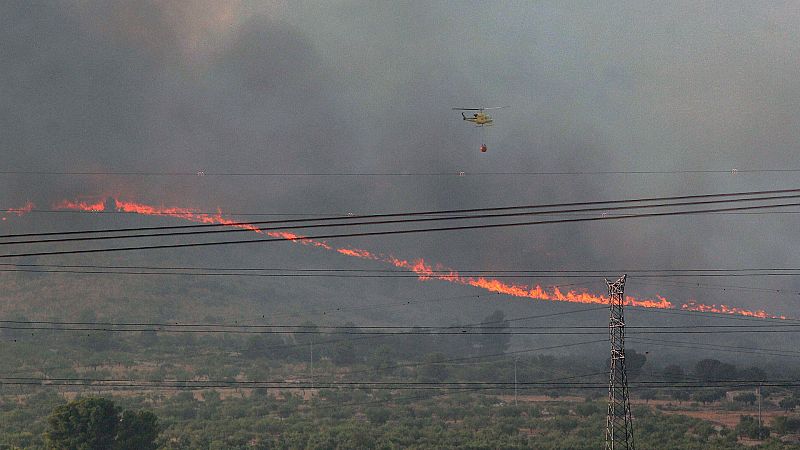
x=351, y=419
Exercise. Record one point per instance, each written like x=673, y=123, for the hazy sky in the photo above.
x=366, y=86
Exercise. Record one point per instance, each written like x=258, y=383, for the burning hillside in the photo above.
x=424, y=270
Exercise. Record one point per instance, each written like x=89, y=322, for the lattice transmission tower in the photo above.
x=619, y=424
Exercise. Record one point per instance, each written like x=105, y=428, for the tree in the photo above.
x=275, y=346
x=254, y=348
x=304, y=336
x=137, y=430
x=269, y=346
x=680, y=395
x=673, y=372
x=378, y=415
x=709, y=395
x=714, y=370
x=343, y=353
x=745, y=397
x=748, y=426
x=496, y=339
x=305, y=333
x=86, y=424
x=752, y=374
x=433, y=369
x=633, y=362
x=788, y=403
x=784, y=425
x=97, y=341
x=452, y=344
x=381, y=359
x=97, y=424
x=647, y=395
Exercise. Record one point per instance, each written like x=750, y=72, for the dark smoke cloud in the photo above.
x=367, y=87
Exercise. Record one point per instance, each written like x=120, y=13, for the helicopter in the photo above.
x=479, y=118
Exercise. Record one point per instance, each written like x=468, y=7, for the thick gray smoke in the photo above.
x=360, y=86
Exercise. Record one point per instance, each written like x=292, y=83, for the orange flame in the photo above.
x=419, y=267
x=24, y=209
x=78, y=205
x=725, y=309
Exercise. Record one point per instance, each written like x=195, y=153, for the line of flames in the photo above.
x=418, y=266
x=24, y=209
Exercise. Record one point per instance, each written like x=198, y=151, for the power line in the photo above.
x=388, y=332
x=243, y=325
x=363, y=383
x=429, y=396
x=390, y=232
x=252, y=272
x=406, y=275
x=591, y=272
x=364, y=338
x=711, y=315
x=382, y=385
x=404, y=331
x=319, y=214
x=435, y=212
x=322, y=329
x=201, y=173
x=471, y=358
x=723, y=287
x=404, y=303
x=720, y=347
x=404, y=365
x=380, y=336
x=276, y=275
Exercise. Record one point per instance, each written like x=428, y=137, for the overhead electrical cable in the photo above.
x=309, y=215
x=229, y=228
x=298, y=327
x=405, y=331
x=374, y=276
x=591, y=272
x=720, y=287
x=371, y=337
x=394, y=273
x=325, y=329
x=380, y=336
x=389, y=232
x=459, y=174
x=404, y=365
x=385, y=385
x=272, y=275
x=430, y=396
x=711, y=315
x=718, y=347
x=478, y=357
x=796, y=193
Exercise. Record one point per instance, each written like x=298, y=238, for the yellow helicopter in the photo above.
x=479, y=118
